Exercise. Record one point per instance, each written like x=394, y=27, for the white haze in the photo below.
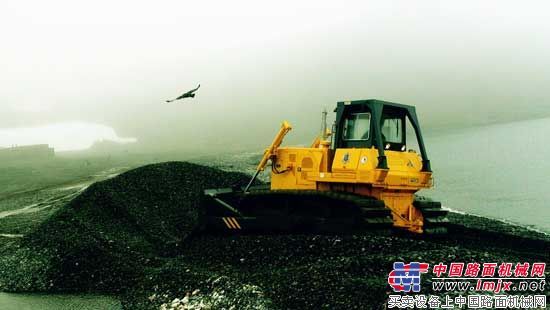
x=462, y=63
x=67, y=136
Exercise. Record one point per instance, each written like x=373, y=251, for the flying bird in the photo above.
x=188, y=94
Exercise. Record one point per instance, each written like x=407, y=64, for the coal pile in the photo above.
x=103, y=238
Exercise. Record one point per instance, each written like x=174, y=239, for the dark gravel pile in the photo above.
x=103, y=238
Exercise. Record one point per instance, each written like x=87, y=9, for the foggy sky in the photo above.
x=114, y=63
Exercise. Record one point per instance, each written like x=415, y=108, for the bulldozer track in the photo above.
x=309, y=210
x=374, y=212
x=435, y=217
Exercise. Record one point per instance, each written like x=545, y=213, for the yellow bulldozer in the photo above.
x=359, y=175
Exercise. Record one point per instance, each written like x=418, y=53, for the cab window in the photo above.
x=392, y=130
x=357, y=127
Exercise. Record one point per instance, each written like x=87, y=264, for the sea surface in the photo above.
x=499, y=171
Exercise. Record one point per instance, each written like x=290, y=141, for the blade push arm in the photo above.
x=270, y=152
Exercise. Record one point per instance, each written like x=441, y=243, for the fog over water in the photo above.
x=114, y=63
x=65, y=136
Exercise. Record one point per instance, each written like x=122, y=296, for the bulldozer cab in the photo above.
x=378, y=124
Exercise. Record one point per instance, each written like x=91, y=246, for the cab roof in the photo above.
x=370, y=102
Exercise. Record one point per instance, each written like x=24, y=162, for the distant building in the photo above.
x=27, y=152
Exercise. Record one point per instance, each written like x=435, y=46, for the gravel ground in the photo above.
x=130, y=235
x=323, y=271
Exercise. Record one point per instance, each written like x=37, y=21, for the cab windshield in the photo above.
x=357, y=127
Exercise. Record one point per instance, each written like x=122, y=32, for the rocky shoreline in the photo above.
x=131, y=236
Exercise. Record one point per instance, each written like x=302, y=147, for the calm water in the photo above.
x=500, y=171
x=57, y=302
